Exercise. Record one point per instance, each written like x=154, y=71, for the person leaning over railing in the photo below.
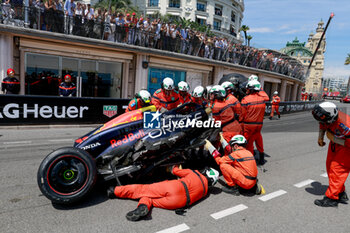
x=69, y=9
x=89, y=24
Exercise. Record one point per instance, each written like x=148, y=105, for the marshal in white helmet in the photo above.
x=253, y=77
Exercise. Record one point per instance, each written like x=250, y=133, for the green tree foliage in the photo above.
x=249, y=37
x=347, y=60
x=244, y=29
x=116, y=5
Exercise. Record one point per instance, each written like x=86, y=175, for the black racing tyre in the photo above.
x=67, y=175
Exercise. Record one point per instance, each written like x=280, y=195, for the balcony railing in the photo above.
x=129, y=33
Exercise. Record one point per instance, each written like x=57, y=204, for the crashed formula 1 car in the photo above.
x=126, y=146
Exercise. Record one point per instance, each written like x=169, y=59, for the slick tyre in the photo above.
x=67, y=175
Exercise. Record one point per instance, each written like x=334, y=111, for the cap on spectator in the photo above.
x=127, y=14
x=133, y=13
x=141, y=19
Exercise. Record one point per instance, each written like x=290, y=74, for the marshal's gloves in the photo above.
x=223, y=141
x=334, y=139
x=209, y=147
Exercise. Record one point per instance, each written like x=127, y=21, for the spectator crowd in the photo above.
x=80, y=19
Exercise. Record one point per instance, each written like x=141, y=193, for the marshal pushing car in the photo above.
x=126, y=146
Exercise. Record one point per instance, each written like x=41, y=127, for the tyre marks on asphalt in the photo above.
x=17, y=142
x=229, y=211
x=33, y=143
x=175, y=229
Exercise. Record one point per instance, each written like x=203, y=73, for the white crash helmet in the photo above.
x=228, y=86
x=218, y=91
x=183, y=86
x=238, y=139
x=253, y=77
x=212, y=175
x=168, y=84
x=145, y=96
x=208, y=88
x=254, y=85
x=275, y=93
x=198, y=92
x=326, y=112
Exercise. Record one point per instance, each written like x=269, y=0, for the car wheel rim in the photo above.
x=68, y=175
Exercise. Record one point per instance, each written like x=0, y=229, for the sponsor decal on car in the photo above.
x=93, y=145
x=110, y=110
x=127, y=138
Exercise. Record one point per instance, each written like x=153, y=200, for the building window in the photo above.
x=233, y=17
x=217, y=25
x=92, y=78
x=153, y=3
x=218, y=10
x=201, y=6
x=233, y=31
x=201, y=21
x=174, y=3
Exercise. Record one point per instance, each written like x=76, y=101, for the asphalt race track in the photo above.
x=294, y=176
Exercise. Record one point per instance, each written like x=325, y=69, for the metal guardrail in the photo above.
x=37, y=17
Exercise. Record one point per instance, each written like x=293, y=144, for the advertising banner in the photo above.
x=25, y=110
x=291, y=107
x=20, y=109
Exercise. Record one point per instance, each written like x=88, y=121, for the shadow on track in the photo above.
x=317, y=188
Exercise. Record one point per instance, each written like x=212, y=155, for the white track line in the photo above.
x=228, y=211
x=303, y=183
x=20, y=142
x=324, y=175
x=175, y=229
x=272, y=195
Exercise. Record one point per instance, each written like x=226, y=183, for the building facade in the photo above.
x=224, y=16
x=304, y=52
x=114, y=70
x=335, y=84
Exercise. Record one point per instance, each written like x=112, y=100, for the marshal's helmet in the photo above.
x=144, y=96
x=212, y=176
x=198, y=92
x=68, y=78
x=168, y=84
x=253, y=77
x=183, y=86
x=10, y=71
x=218, y=92
x=325, y=112
x=254, y=85
x=228, y=86
x=239, y=140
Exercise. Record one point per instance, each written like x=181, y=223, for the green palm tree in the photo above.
x=347, y=60
x=183, y=21
x=245, y=28
x=118, y=5
x=249, y=37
